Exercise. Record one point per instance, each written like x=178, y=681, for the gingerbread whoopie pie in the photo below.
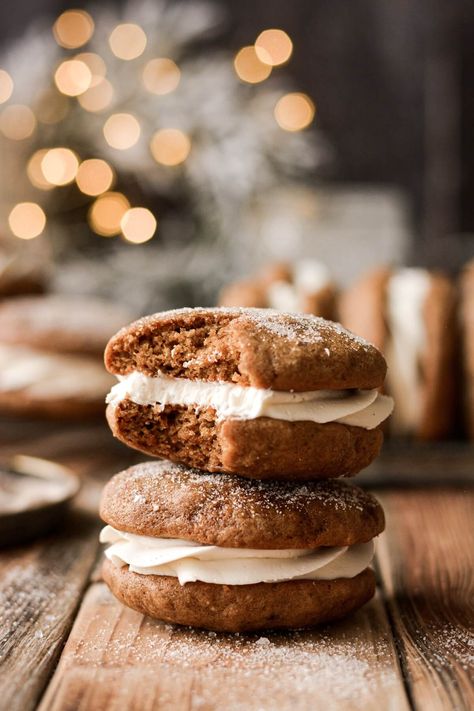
x=305, y=286
x=51, y=355
x=409, y=314
x=230, y=554
x=467, y=331
x=255, y=392
x=22, y=270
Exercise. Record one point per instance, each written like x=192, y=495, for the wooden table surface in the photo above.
x=67, y=644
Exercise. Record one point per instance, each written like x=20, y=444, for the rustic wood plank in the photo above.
x=427, y=569
x=404, y=463
x=41, y=585
x=117, y=659
x=40, y=589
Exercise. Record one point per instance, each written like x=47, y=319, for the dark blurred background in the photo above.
x=393, y=84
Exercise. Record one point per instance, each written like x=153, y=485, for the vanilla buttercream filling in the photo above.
x=189, y=561
x=308, y=277
x=406, y=295
x=46, y=374
x=360, y=408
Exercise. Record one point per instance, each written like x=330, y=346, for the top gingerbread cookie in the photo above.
x=252, y=347
x=60, y=323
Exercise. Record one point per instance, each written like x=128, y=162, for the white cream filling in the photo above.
x=47, y=375
x=361, y=408
x=189, y=561
x=308, y=277
x=407, y=291
x=282, y=296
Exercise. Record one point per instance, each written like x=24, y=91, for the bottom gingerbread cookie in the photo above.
x=240, y=608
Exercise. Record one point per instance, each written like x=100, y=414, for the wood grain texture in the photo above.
x=404, y=463
x=40, y=588
x=427, y=567
x=117, y=659
x=41, y=585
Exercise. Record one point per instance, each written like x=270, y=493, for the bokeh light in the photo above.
x=248, y=66
x=73, y=77
x=17, y=122
x=121, y=131
x=96, y=66
x=51, y=107
x=73, y=28
x=59, y=166
x=170, y=146
x=98, y=97
x=294, y=112
x=27, y=220
x=35, y=173
x=273, y=47
x=6, y=86
x=138, y=225
x=161, y=75
x=94, y=177
x=106, y=214
x=127, y=41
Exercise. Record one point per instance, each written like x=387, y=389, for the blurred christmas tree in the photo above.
x=134, y=128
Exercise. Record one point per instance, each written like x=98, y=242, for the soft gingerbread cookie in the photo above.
x=467, y=331
x=161, y=499
x=248, y=347
x=240, y=608
x=60, y=323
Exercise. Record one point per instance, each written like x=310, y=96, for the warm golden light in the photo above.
x=106, y=214
x=35, y=172
x=6, y=86
x=127, y=41
x=59, y=166
x=27, y=220
x=121, y=131
x=248, y=66
x=73, y=77
x=98, y=97
x=52, y=107
x=293, y=112
x=94, y=177
x=96, y=66
x=73, y=28
x=170, y=146
x=17, y=122
x=138, y=225
x=161, y=76
x=273, y=47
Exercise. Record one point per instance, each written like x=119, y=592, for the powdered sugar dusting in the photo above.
x=250, y=495
x=321, y=668
x=453, y=642
x=302, y=328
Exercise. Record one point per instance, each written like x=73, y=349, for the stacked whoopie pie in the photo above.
x=305, y=286
x=51, y=355
x=248, y=526
x=410, y=314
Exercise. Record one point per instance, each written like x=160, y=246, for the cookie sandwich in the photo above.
x=230, y=554
x=51, y=355
x=305, y=286
x=409, y=314
x=467, y=331
x=21, y=271
x=254, y=392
